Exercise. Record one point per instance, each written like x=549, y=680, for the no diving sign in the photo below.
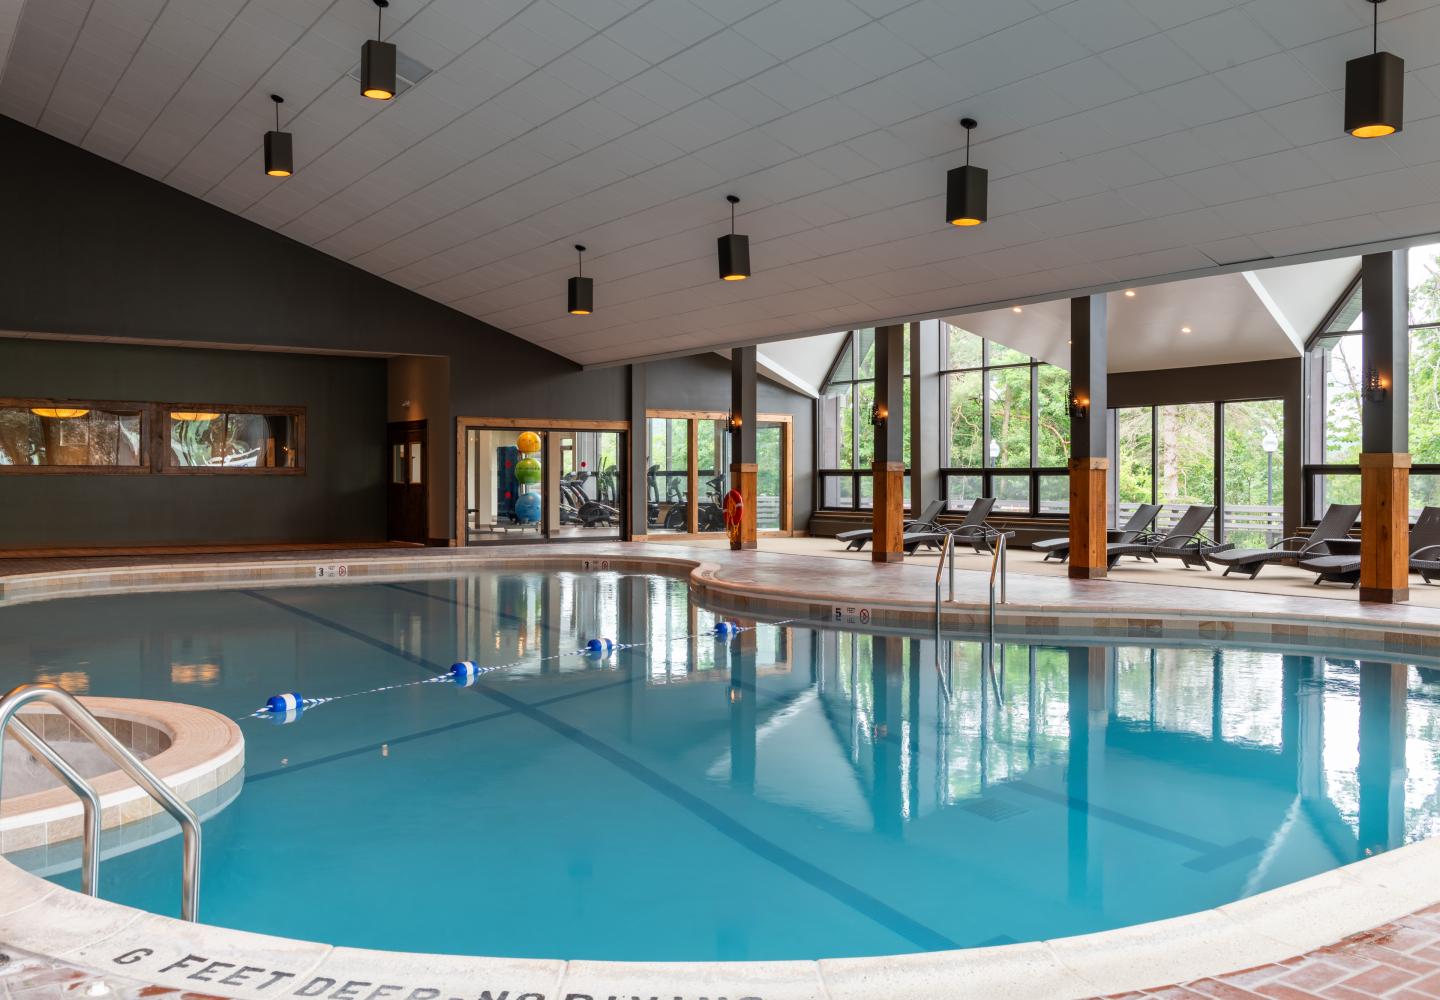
x=850, y=614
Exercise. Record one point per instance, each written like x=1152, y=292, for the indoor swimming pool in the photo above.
x=792, y=792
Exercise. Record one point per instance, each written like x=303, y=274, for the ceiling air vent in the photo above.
x=408, y=72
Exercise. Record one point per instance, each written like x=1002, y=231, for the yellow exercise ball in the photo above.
x=528, y=442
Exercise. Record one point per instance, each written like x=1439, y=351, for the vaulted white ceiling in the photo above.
x=1214, y=320
x=1126, y=140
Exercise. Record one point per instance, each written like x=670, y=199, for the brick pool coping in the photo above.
x=1278, y=938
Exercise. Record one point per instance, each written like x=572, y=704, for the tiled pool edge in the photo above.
x=1275, y=927
x=1357, y=625
x=102, y=938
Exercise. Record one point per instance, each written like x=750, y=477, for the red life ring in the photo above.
x=734, y=514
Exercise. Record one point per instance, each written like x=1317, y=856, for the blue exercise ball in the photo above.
x=527, y=508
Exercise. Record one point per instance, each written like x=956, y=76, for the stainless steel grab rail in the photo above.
x=947, y=551
x=120, y=755
x=997, y=562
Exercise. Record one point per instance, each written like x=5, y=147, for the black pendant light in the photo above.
x=967, y=188
x=279, y=151
x=377, y=62
x=582, y=289
x=1375, y=90
x=734, y=249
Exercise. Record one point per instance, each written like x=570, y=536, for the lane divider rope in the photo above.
x=287, y=707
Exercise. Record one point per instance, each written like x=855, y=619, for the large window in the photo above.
x=847, y=433
x=1007, y=431
x=81, y=436
x=1336, y=383
x=1166, y=455
x=214, y=440
x=38, y=436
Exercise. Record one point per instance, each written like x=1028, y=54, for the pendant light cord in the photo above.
x=732, y=218
x=277, y=116
x=579, y=262
x=967, y=147
x=379, y=22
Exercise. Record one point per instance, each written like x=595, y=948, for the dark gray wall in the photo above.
x=93, y=248
x=341, y=496
x=702, y=382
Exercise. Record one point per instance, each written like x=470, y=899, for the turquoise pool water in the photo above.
x=795, y=793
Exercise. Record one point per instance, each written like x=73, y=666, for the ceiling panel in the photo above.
x=1126, y=141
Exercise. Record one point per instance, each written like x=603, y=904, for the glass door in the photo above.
x=505, y=494
x=591, y=485
x=712, y=473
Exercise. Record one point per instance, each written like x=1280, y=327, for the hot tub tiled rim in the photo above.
x=1270, y=927
x=205, y=750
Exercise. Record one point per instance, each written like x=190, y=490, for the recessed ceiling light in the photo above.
x=1185, y=329
x=1129, y=293
x=1016, y=309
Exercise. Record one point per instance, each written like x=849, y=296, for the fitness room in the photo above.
x=688, y=455
x=526, y=481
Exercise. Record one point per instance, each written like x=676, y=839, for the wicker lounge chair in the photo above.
x=1336, y=523
x=968, y=530
x=1139, y=523
x=1340, y=563
x=856, y=539
x=1185, y=542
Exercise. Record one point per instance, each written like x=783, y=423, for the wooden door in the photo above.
x=407, y=492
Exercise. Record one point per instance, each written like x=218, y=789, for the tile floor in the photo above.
x=1398, y=961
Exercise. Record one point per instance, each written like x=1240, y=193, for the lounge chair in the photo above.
x=1185, y=542
x=1340, y=563
x=1138, y=524
x=1336, y=523
x=968, y=530
x=856, y=539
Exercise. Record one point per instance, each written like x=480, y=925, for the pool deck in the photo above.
x=1371, y=929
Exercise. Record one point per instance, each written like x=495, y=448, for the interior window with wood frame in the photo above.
x=72, y=436
x=201, y=438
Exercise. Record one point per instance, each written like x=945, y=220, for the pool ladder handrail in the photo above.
x=998, y=562
x=121, y=756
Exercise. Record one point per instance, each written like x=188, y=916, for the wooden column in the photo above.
x=888, y=494
x=744, y=469
x=1385, y=430
x=1089, y=465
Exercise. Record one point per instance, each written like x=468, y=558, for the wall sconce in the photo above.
x=735, y=421
x=878, y=415
x=1079, y=408
x=1377, y=388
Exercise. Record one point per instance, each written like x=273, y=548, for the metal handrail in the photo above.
x=121, y=757
x=997, y=562
x=947, y=551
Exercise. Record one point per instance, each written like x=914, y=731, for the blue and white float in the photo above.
x=465, y=672
x=600, y=647
x=280, y=704
x=726, y=629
